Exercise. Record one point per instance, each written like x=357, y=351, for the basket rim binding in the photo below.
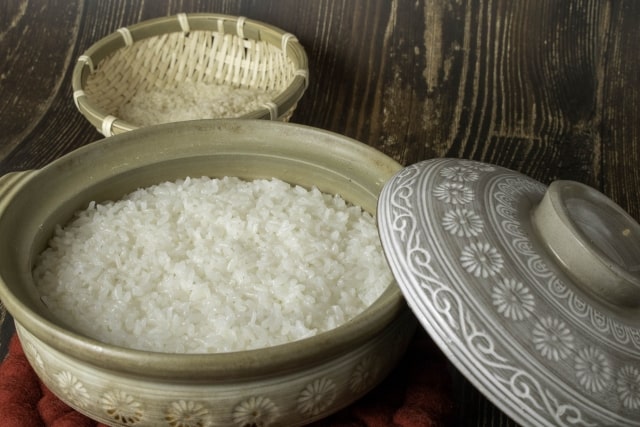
x=281, y=106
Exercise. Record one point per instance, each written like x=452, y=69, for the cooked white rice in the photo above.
x=213, y=265
x=191, y=101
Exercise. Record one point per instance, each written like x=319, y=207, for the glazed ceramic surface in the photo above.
x=533, y=293
x=288, y=385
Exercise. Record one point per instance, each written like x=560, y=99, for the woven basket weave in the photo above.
x=196, y=49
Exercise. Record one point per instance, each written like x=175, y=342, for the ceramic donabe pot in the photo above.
x=290, y=384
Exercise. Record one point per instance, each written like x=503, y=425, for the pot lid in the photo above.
x=533, y=293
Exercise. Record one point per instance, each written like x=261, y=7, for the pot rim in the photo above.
x=270, y=361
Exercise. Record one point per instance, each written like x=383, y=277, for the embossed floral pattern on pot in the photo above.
x=186, y=414
x=121, y=407
x=35, y=355
x=255, y=412
x=72, y=388
x=317, y=396
x=363, y=374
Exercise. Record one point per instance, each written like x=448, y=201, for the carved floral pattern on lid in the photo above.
x=512, y=299
x=462, y=223
x=453, y=193
x=461, y=245
x=593, y=369
x=481, y=259
x=552, y=339
x=628, y=386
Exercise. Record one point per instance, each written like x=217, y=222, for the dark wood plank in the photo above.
x=430, y=79
x=549, y=88
x=36, y=41
x=620, y=112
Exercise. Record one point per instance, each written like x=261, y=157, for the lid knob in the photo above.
x=593, y=239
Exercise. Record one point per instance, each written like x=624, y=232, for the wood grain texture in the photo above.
x=620, y=117
x=549, y=88
x=521, y=84
x=36, y=40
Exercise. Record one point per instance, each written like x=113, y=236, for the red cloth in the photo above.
x=416, y=394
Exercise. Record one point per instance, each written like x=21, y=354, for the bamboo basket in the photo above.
x=190, y=60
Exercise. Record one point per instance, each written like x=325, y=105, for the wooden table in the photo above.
x=549, y=88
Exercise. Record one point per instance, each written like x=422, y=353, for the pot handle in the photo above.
x=593, y=239
x=10, y=183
